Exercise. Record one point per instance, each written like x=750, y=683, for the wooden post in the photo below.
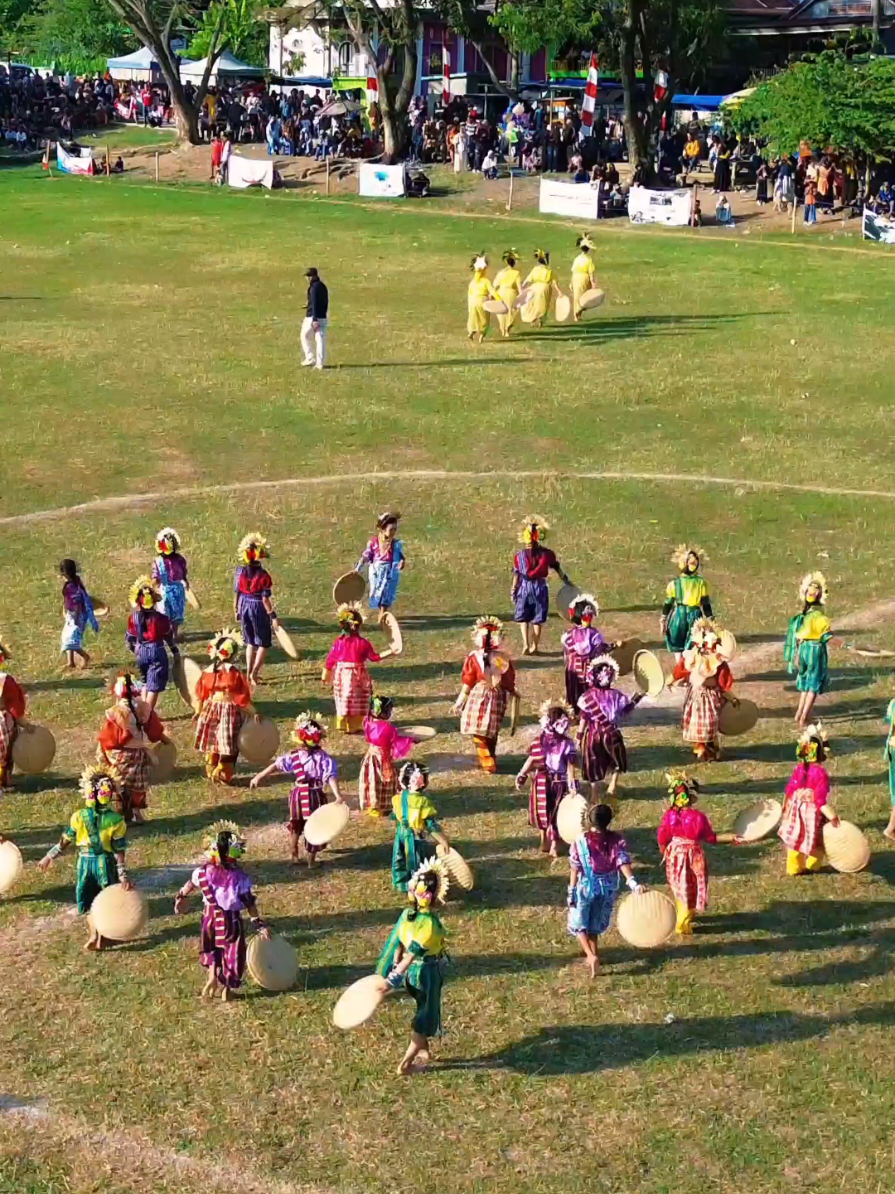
x=327, y=173
x=108, y=162
x=792, y=227
x=510, y=198
x=156, y=167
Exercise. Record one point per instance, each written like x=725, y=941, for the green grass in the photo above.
x=149, y=341
x=128, y=136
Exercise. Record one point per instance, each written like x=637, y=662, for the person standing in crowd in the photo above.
x=313, y=328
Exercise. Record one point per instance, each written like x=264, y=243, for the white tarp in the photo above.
x=72, y=163
x=576, y=199
x=249, y=172
x=226, y=64
x=879, y=228
x=659, y=207
x=380, y=182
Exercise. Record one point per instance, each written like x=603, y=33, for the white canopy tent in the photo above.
x=140, y=65
x=226, y=65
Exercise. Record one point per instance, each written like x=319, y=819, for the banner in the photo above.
x=659, y=207
x=575, y=199
x=380, y=182
x=589, y=103
x=249, y=172
x=71, y=163
x=878, y=228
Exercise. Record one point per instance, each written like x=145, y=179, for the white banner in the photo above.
x=576, y=199
x=249, y=172
x=380, y=182
x=879, y=228
x=659, y=207
x=73, y=164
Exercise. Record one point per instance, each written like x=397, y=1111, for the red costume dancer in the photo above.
x=223, y=701
x=378, y=779
x=12, y=710
x=130, y=726
x=708, y=678
x=807, y=806
x=682, y=831
x=488, y=680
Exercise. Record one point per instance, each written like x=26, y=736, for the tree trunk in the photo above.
x=186, y=117
x=638, y=153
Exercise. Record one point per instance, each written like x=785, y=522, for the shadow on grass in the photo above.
x=639, y=327
x=66, y=682
x=450, y=363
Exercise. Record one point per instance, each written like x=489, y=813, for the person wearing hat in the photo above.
x=806, y=805
x=312, y=768
x=12, y=710
x=709, y=681
x=413, y=959
x=551, y=762
x=313, y=328
x=681, y=833
x=529, y=592
x=130, y=725
x=686, y=600
x=488, y=680
x=542, y=284
x=148, y=632
x=346, y=669
x=252, y=588
x=415, y=823
x=169, y=571
x=581, y=644
x=584, y=275
x=508, y=285
x=378, y=780
x=100, y=834
x=596, y=860
x=602, y=706
x=805, y=651
x=479, y=289
x=384, y=555
x=226, y=891
x=223, y=702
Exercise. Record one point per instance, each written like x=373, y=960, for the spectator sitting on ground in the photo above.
x=696, y=215
x=723, y=214
x=489, y=165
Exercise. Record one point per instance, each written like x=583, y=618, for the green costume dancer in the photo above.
x=805, y=651
x=414, y=817
x=686, y=600
x=889, y=831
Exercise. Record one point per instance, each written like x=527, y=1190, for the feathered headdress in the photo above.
x=542, y=256
x=433, y=876
x=551, y=711
x=683, y=550
x=349, y=612
x=602, y=661
x=164, y=534
x=253, y=547
x=386, y=517
x=488, y=622
x=210, y=842
x=141, y=585
x=813, y=741
x=704, y=631
x=682, y=790
x=533, y=527
x=309, y=730
x=479, y=262
x=509, y=255
x=813, y=578
x=226, y=645
x=91, y=776
x=585, y=243
x=580, y=604
x=408, y=770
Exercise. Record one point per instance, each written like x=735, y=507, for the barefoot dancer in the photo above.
x=226, y=890
x=551, y=761
x=12, y=710
x=807, y=805
x=378, y=780
x=130, y=726
x=147, y=632
x=169, y=571
x=346, y=669
x=584, y=275
x=581, y=644
x=477, y=292
x=414, y=816
x=223, y=702
x=487, y=681
x=100, y=834
x=252, y=586
x=595, y=861
x=77, y=611
x=529, y=591
x=602, y=707
x=686, y=600
x=682, y=831
x=709, y=680
x=889, y=831
x=413, y=959
x=384, y=555
x=805, y=651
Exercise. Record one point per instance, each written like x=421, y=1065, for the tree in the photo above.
x=245, y=32
x=76, y=35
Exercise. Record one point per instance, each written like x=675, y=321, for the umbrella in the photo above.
x=339, y=107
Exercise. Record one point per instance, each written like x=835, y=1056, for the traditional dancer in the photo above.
x=77, y=613
x=805, y=651
x=346, y=669
x=889, y=831
x=100, y=834
x=252, y=586
x=12, y=710
x=584, y=275
x=508, y=285
x=311, y=767
x=686, y=600
x=415, y=823
x=807, y=804
x=147, y=633
x=413, y=959
x=595, y=861
x=543, y=287
x=581, y=644
x=223, y=702
x=169, y=571
x=551, y=762
x=602, y=707
x=226, y=890
x=709, y=680
x=480, y=288
x=487, y=680
x=378, y=781
x=384, y=555
x=529, y=591
x=129, y=727
x=682, y=831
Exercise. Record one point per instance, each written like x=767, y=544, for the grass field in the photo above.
x=149, y=343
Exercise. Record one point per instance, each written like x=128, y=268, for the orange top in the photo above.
x=12, y=698
x=116, y=733
x=228, y=681
x=723, y=676
x=473, y=673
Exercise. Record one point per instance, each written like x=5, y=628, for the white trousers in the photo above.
x=314, y=343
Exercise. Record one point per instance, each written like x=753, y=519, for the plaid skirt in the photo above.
x=702, y=711
x=377, y=782
x=304, y=799
x=802, y=825
x=484, y=711
x=687, y=873
x=217, y=731
x=352, y=689
x=131, y=766
x=7, y=734
x=602, y=749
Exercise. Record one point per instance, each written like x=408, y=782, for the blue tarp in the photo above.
x=298, y=81
x=704, y=103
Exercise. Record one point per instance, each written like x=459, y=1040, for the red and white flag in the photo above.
x=660, y=87
x=445, y=76
x=590, y=97
x=372, y=89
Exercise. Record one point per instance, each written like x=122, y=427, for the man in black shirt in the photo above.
x=313, y=328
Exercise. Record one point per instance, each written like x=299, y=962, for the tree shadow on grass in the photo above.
x=66, y=682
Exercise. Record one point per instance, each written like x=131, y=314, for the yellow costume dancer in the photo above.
x=584, y=275
x=508, y=284
x=478, y=320
x=543, y=285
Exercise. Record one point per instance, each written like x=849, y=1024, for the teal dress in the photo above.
x=809, y=659
x=414, y=817
x=422, y=934
x=890, y=752
x=686, y=601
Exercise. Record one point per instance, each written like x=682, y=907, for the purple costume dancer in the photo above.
x=602, y=707
x=581, y=644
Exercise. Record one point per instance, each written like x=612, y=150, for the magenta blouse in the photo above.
x=351, y=648
x=585, y=641
x=815, y=777
x=383, y=734
x=611, y=702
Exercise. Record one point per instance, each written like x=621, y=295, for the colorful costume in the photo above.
x=78, y=616
x=129, y=727
x=890, y=750
x=223, y=701
x=681, y=832
x=598, y=857
x=580, y=645
x=169, y=571
x=801, y=827
x=384, y=558
x=147, y=633
x=378, y=780
x=488, y=680
x=602, y=707
x=478, y=320
x=12, y=710
x=541, y=283
x=508, y=286
x=708, y=677
x=807, y=635
x=100, y=835
x=531, y=567
x=686, y=599
x=415, y=816
x=311, y=767
x=420, y=932
x=253, y=585
x=584, y=275
x=552, y=757
x=347, y=664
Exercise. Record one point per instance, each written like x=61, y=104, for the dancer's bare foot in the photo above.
x=593, y=965
x=889, y=832
x=226, y=995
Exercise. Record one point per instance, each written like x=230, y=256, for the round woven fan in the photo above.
x=259, y=740
x=33, y=748
x=458, y=869
x=846, y=847
x=591, y=299
x=624, y=654
x=163, y=760
x=359, y=1002
x=118, y=914
x=349, y=587
x=648, y=673
x=758, y=820
x=11, y=866
x=646, y=919
x=570, y=817
x=273, y=963
x=737, y=719
x=326, y=823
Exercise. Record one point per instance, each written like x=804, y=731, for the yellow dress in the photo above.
x=480, y=288
x=541, y=283
x=584, y=277
x=508, y=283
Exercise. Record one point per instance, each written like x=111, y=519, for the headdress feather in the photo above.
x=253, y=539
x=350, y=611
x=141, y=583
x=168, y=533
x=683, y=550
x=434, y=866
x=533, y=520
x=813, y=578
x=214, y=831
x=92, y=774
